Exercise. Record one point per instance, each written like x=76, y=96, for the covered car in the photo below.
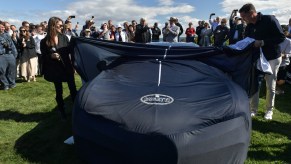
x=161, y=103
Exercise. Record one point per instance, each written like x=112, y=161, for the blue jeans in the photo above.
x=7, y=70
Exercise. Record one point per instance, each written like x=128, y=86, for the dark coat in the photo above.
x=142, y=34
x=27, y=52
x=55, y=70
x=268, y=29
x=220, y=35
x=233, y=27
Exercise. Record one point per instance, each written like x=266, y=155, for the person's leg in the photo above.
x=33, y=62
x=271, y=87
x=254, y=103
x=59, y=98
x=72, y=87
x=29, y=69
x=3, y=68
x=11, y=70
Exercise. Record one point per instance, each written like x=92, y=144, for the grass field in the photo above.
x=31, y=130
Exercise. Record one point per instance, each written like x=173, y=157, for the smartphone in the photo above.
x=72, y=16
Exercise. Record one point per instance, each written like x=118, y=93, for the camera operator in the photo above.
x=7, y=60
x=69, y=31
x=89, y=25
x=172, y=31
x=215, y=22
x=236, y=28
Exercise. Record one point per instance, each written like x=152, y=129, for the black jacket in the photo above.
x=156, y=32
x=27, y=52
x=220, y=35
x=142, y=34
x=268, y=29
x=233, y=28
x=57, y=70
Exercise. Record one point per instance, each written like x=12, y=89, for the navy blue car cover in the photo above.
x=161, y=104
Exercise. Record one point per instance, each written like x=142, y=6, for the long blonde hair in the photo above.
x=52, y=31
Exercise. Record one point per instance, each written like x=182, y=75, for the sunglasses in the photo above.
x=60, y=26
x=22, y=30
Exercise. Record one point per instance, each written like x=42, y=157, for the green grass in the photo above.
x=31, y=130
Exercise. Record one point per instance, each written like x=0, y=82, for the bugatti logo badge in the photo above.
x=157, y=99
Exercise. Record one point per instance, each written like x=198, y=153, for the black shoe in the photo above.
x=63, y=113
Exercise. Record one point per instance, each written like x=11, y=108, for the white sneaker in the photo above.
x=253, y=114
x=268, y=115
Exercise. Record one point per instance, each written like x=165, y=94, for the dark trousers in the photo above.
x=59, y=91
x=190, y=39
x=39, y=68
x=7, y=70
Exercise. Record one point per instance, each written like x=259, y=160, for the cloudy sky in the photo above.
x=119, y=11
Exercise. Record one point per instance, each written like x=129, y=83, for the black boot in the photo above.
x=62, y=112
x=61, y=108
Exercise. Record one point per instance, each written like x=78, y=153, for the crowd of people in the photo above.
x=34, y=49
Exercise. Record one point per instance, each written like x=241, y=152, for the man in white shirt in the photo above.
x=37, y=38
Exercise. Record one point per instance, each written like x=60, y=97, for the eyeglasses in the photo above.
x=223, y=22
x=22, y=30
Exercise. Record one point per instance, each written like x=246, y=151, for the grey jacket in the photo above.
x=172, y=33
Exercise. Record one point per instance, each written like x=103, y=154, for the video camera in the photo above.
x=5, y=45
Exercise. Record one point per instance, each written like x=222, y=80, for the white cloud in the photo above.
x=279, y=8
x=166, y=2
x=118, y=11
x=125, y=9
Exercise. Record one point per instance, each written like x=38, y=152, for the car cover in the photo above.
x=161, y=103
